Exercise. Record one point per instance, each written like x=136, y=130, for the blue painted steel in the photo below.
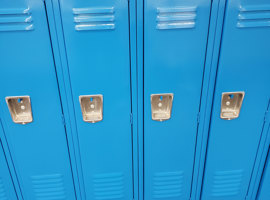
x=134, y=92
x=10, y=163
x=140, y=85
x=243, y=66
x=261, y=158
x=39, y=149
x=175, y=38
x=57, y=41
x=99, y=63
x=7, y=190
x=213, y=46
x=264, y=191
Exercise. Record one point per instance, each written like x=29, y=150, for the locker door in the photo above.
x=35, y=132
x=175, y=37
x=97, y=45
x=243, y=67
x=6, y=185
x=264, y=192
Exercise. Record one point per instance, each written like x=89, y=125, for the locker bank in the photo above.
x=134, y=100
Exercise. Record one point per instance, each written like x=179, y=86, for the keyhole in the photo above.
x=161, y=98
x=231, y=96
x=20, y=100
x=91, y=99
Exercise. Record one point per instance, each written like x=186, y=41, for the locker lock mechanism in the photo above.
x=231, y=105
x=161, y=106
x=92, y=108
x=20, y=109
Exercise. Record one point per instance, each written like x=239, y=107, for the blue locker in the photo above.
x=30, y=103
x=96, y=34
x=175, y=39
x=242, y=79
x=264, y=191
x=7, y=191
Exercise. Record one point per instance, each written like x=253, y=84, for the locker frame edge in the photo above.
x=256, y=194
x=207, y=96
x=261, y=159
x=61, y=63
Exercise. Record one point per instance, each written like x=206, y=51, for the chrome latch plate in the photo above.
x=161, y=106
x=20, y=109
x=92, y=108
x=231, y=103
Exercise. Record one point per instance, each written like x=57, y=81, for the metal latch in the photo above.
x=20, y=109
x=92, y=107
x=161, y=106
x=231, y=105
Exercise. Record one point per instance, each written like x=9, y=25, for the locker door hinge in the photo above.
x=131, y=119
x=63, y=120
x=198, y=117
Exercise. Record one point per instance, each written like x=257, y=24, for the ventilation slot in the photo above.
x=88, y=19
x=227, y=183
x=49, y=187
x=16, y=20
x=167, y=184
x=3, y=195
x=109, y=186
x=254, y=16
x=176, y=18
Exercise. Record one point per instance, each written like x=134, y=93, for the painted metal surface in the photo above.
x=175, y=38
x=264, y=192
x=97, y=47
x=260, y=159
x=6, y=185
x=243, y=66
x=39, y=149
x=213, y=46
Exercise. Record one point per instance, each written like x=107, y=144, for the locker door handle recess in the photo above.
x=92, y=108
x=161, y=106
x=20, y=109
x=231, y=103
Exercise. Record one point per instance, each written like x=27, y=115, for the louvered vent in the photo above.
x=227, y=183
x=254, y=16
x=49, y=187
x=16, y=20
x=176, y=18
x=109, y=186
x=168, y=185
x=88, y=19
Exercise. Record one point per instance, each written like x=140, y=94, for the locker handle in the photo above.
x=91, y=107
x=161, y=106
x=231, y=104
x=20, y=109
